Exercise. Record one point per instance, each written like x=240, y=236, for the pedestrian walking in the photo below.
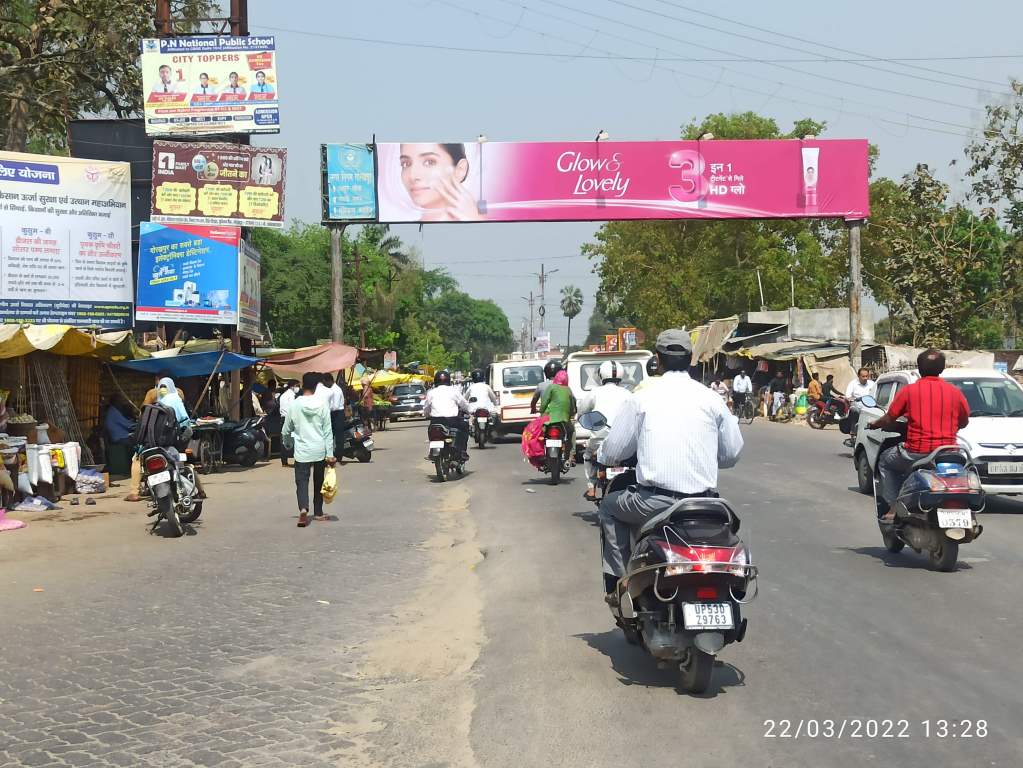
x=307, y=432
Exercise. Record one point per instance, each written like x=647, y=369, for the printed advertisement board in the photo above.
x=208, y=183
x=249, y=296
x=188, y=273
x=604, y=181
x=542, y=343
x=65, y=241
x=349, y=187
x=205, y=85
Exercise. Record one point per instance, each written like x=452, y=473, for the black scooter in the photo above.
x=444, y=453
x=356, y=443
x=688, y=576
x=174, y=497
x=245, y=442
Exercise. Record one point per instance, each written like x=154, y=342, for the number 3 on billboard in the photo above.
x=690, y=166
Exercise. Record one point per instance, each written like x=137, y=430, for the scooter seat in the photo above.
x=703, y=518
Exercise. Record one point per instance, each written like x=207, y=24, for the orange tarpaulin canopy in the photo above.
x=323, y=358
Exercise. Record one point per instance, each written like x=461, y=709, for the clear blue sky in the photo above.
x=583, y=81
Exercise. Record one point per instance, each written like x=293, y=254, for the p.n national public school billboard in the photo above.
x=65, y=241
x=209, y=85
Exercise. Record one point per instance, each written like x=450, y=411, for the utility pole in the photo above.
x=543, y=282
x=855, y=294
x=337, y=302
x=532, y=337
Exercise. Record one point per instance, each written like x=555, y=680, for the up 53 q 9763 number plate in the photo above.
x=553, y=443
x=707, y=616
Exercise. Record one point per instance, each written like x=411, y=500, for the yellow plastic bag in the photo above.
x=329, y=487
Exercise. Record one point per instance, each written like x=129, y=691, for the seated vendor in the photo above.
x=119, y=426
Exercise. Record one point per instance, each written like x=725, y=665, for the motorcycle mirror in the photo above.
x=868, y=402
x=592, y=420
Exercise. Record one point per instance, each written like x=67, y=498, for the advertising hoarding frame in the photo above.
x=250, y=321
x=202, y=156
x=65, y=241
x=325, y=217
x=202, y=54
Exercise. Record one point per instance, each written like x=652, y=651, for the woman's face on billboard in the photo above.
x=425, y=168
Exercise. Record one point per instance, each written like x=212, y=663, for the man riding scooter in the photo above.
x=680, y=433
x=445, y=405
x=481, y=398
x=606, y=399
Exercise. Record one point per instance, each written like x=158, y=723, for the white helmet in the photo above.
x=610, y=371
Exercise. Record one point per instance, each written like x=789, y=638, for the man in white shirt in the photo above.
x=607, y=400
x=445, y=405
x=742, y=388
x=284, y=402
x=481, y=392
x=328, y=391
x=681, y=433
x=859, y=387
x=166, y=83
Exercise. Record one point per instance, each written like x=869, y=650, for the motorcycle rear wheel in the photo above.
x=363, y=456
x=697, y=671
x=555, y=468
x=892, y=542
x=813, y=417
x=439, y=466
x=481, y=438
x=944, y=558
x=170, y=517
x=193, y=515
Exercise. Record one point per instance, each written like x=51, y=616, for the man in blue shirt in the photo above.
x=120, y=428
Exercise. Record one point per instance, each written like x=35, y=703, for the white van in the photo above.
x=994, y=436
x=514, y=382
x=582, y=375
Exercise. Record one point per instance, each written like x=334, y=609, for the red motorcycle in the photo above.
x=821, y=413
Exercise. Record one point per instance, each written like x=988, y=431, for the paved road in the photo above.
x=461, y=624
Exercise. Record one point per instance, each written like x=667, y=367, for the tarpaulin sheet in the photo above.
x=901, y=357
x=197, y=364
x=839, y=367
x=18, y=340
x=712, y=336
x=323, y=358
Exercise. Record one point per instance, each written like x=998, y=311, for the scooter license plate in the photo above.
x=367, y=444
x=955, y=518
x=436, y=444
x=707, y=616
x=482, y=421
x=159, y=477
x=613, y=472
x=553, y=443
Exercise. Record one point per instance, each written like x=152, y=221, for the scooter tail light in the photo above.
x=554, y=433
x=156, y=463
x=681, y=553
x=482, y=413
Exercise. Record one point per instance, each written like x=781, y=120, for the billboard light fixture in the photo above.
x=602, y=136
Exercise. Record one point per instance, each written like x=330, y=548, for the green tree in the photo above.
x=941, y=265
x=62, y=59
x=476, y=327
x=672, y=273
x=571, y=305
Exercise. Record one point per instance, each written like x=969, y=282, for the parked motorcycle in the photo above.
x=556, y=443
x=481, y=425
x=444, y=454
x=245, y=441
x=357, y=443
x=174, y=497
x=822, y=413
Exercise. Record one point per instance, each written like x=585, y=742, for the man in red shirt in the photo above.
x=935, y=411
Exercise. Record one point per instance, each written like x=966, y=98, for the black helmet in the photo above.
x=551, y=369
x=476, y=376
x=441, y=378
x=653, y=368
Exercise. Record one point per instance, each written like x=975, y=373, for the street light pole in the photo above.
x=855, y=294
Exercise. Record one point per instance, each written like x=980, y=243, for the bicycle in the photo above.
x=746, y=411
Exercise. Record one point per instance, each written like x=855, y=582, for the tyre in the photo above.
x=438, y=464
x=170, y=517
x=864, y=475
x=363, y=456
x=892, y=542
x=748, y=412
x=481, y=439
x=393, y=420
x=193, y=515
x=813, y=417
x=697, y=671
x=555, y=467
x=944, y=557
x=249, y=459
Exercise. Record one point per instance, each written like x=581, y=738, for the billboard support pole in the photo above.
x=337, y=307
x=855, y=294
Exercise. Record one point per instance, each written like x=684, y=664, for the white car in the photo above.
x=994, y=436
x=582, y=376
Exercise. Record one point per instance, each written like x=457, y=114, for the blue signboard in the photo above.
x=1003, y=367
x=349, y=183
x=188, y=273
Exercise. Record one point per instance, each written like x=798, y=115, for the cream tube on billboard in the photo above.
x=811, y=173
